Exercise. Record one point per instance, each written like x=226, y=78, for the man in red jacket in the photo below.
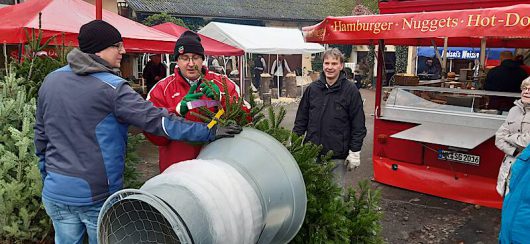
x=184, y=92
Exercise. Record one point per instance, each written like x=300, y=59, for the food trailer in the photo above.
x=430, y=139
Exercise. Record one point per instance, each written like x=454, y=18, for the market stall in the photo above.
x=431, y=139
x=260, y=40
x=63, y=18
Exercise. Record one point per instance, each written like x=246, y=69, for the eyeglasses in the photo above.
x=525, y=88
x=187, y=59
x=119, y=46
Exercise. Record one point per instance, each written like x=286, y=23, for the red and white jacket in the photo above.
x=168, y=93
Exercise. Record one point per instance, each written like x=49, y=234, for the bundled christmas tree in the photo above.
x=21, y=214
x=331, y=217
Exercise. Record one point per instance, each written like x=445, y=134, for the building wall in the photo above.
x=362, y=50
x=288, y=24
x=7, y=2
x=406, y=6
x=110, y=5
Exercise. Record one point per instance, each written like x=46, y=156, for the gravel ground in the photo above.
x=409, y=217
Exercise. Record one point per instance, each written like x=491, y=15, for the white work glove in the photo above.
x=353, y=160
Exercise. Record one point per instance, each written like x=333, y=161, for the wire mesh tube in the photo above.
x=246, y=189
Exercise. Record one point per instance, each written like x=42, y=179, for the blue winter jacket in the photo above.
x=515, y=220
x=83, y=113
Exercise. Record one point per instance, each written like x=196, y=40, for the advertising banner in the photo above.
x=511, y=22
x=463, y=52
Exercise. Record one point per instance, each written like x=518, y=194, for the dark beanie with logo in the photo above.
x=189, y=42
x=97, y=35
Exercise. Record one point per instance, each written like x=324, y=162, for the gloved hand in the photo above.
x=226, y=131
x=182, y=107
x=353, y=160
x=210, y=92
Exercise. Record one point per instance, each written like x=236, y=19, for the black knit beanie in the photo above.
x=97, y=35
x=189, y=42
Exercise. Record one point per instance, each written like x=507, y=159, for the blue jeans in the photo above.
x=71, y=222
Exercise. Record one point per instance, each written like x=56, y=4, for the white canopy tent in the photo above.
x=258, y=39
x=262, y=40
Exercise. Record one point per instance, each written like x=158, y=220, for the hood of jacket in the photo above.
x=84, y=63
x=523, y=107
x=321, y=82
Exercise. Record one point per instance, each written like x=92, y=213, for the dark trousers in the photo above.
x=500, y=103
x=274, y=84
x=149, y=85
x=257, y=80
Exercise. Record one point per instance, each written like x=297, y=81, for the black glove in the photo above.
x=227, y=131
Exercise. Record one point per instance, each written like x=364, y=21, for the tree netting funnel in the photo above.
x=246, y=189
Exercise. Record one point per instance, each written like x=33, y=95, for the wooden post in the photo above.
x=290, y=85
x=379, y=81
x=482, y=53
x=444, y=63
x=264, y=87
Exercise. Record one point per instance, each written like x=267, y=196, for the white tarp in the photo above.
x=263, y=40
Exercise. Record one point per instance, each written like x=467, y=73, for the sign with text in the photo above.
x=463, y=52
x=506, y=22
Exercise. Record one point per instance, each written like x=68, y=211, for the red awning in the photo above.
x=502, y=27
x=63, y=18
x=211, y=46
x=400, y=6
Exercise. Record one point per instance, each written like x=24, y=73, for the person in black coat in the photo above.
x=259, y=67
x=506, y=77
x=153, y=71
x=331, y=114
x=431, y=70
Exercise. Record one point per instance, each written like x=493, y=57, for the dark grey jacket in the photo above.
x=83, y=113
x=332, y=116
x=506, y=77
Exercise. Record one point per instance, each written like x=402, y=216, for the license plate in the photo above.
x=459, y=157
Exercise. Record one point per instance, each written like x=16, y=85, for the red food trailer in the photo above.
x=435, y=140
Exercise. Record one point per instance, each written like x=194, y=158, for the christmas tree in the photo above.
x=22, y=216
x=331, y=217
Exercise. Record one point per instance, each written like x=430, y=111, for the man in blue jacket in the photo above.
x=84, y=110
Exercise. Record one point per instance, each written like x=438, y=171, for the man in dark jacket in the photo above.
x=153, y=71
x=259, y=67
x=431, y=70
x=83, y=112
x=506, y=77
x=331, y=114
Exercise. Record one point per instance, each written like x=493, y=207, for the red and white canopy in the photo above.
x=63, y=18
